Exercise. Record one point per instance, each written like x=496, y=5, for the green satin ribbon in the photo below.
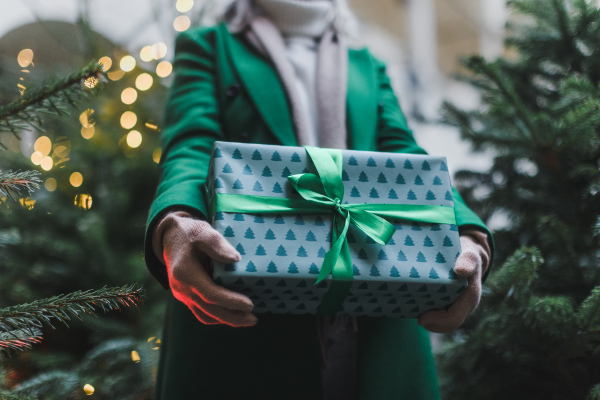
x=324, y=193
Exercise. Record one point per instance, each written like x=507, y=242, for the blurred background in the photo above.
x=84, y=229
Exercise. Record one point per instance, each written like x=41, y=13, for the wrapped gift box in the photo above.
x=282, y=253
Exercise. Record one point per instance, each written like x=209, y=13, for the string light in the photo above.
x=87, y=133
x=159, y=50
x=127, y=63
x=85, y=118
x=50, y=184
x=46, y=163
x=116, y=75
x=128, y=119
x=76, y=179
x=143, y=81
x=106, y=62
x=156, y=155
x=184, y=5
x=164, y=69
x=84, y=201
x=134, y=139
x=88, y=389
x=27, y=203
x=43, y=144
x=25, y=58
x=36, y=157
x=181, y=23
x=129, y=95
x=146, y=53
x=135, y=357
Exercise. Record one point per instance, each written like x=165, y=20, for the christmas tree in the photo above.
x=536, y=334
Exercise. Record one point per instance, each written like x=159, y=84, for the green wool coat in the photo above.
x=225, y=90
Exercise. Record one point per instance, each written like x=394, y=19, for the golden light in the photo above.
x=61, y=151
x=84, y=201
x=156, y=342
x=106, y=62
x=163, y=69
x=159, y=50
x=156, y=155
x=151, y=125
x=134, y=139
x=43, y=145
x=76, y=179
x=27, y=203
x=25, y=57
x=46, y=163
x=129, y=95
x=135, y=357
x=127, y=63
x=50, y=184
x=88, y=389
x=86, y=119
x=181, y=23
x=36, y=157
x=91, y=82
x=184, y=5
x=146, y=53
x=116, y=75
x=143, y=81
x=87, y=133
x=128, y=119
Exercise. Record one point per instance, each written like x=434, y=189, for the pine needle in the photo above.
x=53, y=98
x=12, y=183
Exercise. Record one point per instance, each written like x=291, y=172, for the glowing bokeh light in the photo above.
x=159, y=50
x=84, y=201
x=86, y=119
x=164, y=69
x=146, y=53
x=87, y=133
x=127, y=63
x=128, y=119
x=134, y=139
x=106, y=62
x=181, y=23
x=25, y=57
x=156, y=155
x=184, y=5
x=27, y=203
x=135, y=357
x=129, y=95
x=88, y=389
x=76, y=179
x=116, y=75
x=50, y=184
x=36, y=157
x=91, y=82
x=46, y=163
x=144, y=81
x=43, y=145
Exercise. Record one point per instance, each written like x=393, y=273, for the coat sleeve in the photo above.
x=191, y=126
x=393, y=135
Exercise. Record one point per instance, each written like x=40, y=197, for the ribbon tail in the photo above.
x=332, y=256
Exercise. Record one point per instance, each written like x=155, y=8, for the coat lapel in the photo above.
x=263, y=85
x=361, y=105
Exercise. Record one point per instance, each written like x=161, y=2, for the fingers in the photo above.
x=232, y=318
x=211, y=293
x=467, y=264
x=215, y=246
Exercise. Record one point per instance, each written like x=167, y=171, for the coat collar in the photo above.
x=262, y=83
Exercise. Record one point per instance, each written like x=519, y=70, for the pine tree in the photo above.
x=540, y=116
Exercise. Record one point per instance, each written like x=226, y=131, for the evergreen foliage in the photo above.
x=536, y=334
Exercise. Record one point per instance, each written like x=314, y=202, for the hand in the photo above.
x=470, y=264
x=187, y=246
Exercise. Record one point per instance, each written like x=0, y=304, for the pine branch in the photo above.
x=34, y=315
x=54, y=98
x=588, y=314
x=13, y=182
x=21, y=339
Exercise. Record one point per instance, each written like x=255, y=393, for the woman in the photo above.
x=279, y=72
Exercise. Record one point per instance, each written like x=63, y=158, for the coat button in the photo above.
x=233, y=90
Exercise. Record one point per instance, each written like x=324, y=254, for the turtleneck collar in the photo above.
x=299, y=17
